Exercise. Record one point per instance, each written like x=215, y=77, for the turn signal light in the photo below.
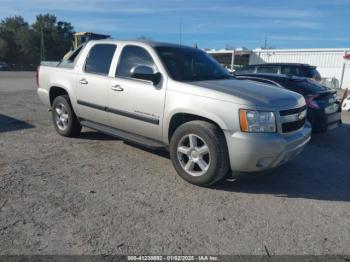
x=243, y=120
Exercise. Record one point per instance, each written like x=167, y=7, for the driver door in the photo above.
x=136, y=105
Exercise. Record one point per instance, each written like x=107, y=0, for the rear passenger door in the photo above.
x=94, y=83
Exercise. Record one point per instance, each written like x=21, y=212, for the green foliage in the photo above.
x=21, y=43
x=3, y=49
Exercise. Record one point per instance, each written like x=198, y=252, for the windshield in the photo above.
x=190, y=64
x=312, y=72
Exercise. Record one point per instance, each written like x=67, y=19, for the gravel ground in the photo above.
x=96, y=194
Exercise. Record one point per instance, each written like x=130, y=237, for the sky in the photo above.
x=209, y=24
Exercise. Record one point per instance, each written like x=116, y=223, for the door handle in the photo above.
x=83, y=81
x=117, y=88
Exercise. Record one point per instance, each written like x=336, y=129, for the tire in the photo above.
x=64, y=118
x=191, y=161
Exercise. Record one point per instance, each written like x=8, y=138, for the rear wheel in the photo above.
x=64, y=118
x=199, y=153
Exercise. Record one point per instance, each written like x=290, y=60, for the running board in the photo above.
x=132, y=138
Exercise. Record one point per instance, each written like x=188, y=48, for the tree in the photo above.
x=28, y=44
x=57, y=36
x=22, y=44
x=3, y=49
x=9, y=29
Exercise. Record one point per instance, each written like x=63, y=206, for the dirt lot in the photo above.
x=96, y=194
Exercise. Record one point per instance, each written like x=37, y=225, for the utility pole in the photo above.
x=267, y=50
x=42, y=47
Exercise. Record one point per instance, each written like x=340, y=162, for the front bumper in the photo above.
x=321, y=121
x=253, y=152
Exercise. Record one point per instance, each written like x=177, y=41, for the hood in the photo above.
x=250, y=93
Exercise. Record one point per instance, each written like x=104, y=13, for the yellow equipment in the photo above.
x=82, y=37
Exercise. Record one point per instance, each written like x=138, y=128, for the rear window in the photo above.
x=267, y=69
x=311, y=72
x=292, y=70
x=75, y=54
x=99, y=59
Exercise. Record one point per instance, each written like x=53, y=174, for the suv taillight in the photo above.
x=37, y=76
x=310, y=102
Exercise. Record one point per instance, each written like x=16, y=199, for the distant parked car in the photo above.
x=323, y=110
x=301, y=70
x=4, y=66
x=346, y=104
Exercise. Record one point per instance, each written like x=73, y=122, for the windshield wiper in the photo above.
x=222, y=77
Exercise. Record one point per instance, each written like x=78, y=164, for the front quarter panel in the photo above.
x=223, y=113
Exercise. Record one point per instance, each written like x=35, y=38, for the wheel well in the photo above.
x=56, y=91
x=181, y=118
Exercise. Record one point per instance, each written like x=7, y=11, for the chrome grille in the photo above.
x=293, y=119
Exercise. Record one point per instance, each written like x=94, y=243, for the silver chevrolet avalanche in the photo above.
x=176, y=97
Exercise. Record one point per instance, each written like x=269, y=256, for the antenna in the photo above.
x=180, y=25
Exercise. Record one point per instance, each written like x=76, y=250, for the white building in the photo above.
x=330, y=62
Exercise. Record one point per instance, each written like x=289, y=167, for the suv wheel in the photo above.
x=199, y=153
x=64, y=119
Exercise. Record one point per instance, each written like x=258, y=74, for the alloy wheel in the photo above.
x=62, y=117
x=193, y=154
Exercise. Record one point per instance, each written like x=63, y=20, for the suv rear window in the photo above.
x=267, y=69
x=312, y=72
x=291, y=70
x=99, y=59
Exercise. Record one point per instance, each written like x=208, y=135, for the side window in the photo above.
x=132, y=56
x=291, y=70
x=245, y=70
x=99, y=59
x=268, y=69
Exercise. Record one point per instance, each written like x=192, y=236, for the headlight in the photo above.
x=257, y=121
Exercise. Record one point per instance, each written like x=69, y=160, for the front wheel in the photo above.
x=64, y=118
x=199, y=153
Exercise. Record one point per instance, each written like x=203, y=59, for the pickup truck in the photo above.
x=175, y=97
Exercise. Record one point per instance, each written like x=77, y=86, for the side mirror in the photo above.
x=145, y=73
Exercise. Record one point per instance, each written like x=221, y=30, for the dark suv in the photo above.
x=323, y=109
x=301, y=70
